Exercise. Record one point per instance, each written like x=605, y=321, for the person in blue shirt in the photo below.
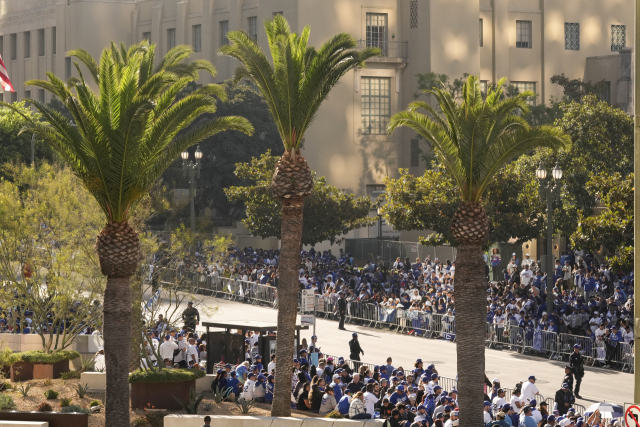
x=398, y=396
x=233, y=382
x=258, y=364
x=390, y=368
x=337, y=387
x=383, y=372
x=303, y=357
x=552, y=326
x=268, y=396
x=344, y=402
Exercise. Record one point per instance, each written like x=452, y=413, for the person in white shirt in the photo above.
x=247, y=391
x=370, y=399
x=100, y=365
x=192, y=352
x=527, y=261
x=486, y=414
x=529, y=389
x=452, y=420
x=600, y=331
x=535, y=414
x=498, y=401
x=627, y=334
x=516, y=400
x=166, y=351
x=254, y=338
x=526, y=275
x=272, y=364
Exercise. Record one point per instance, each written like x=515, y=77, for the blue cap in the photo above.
x=421, y=407
x=434, y=376
x=431, y=366
x=258, y=357
x=533, y=402
x=531, y=377
x=431, y=396
x=578, y=345
x=232, y=373
x=228, y=365
x=565, y=385
x=251, y=374
x=219, y=371
x=253, y=367
x=400, y=388
x=271, y=377
x=376, y=368
x=506, y=407
x=383, y=368
x=295, y=360
x=261, y=377
x=551, y=418
x=303, y=351
x=394, y=379
x=453, y=390
x=167, y=337
x=487, y=403
x=437, y=388
x=419, y=361
x=447, y=407
x=400, y=374
x=354, y=334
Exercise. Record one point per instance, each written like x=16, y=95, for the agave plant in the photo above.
x=191, y=407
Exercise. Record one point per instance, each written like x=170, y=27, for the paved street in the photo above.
x=598, y=384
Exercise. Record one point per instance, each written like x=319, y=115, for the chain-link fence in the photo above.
x=388, y=250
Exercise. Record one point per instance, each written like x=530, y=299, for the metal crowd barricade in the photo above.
x=447, y=383
x=418, y=323
x=362, y=313
x=619, y=354
x=443, y=326
x=579, y=408
x=509, y=336
x=260, y=294
x=589, y=348
x=628, y=354
x=354, y=364
x=551, y=404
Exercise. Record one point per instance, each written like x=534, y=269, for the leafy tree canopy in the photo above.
x=220, y=154
x=329, y=212
x=612, y=227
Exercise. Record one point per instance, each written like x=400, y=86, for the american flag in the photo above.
x=4, y=77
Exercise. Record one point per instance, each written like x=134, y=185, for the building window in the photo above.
x=1, y=97
x=413, y=13
x=27, y=44
x=2, y=46
x=171, y=38
x=41, y=95
x=14, y=96
x=41, y=42
x=376, y=104
x=53, y=40
x=374, y=188
x=278, y=13
x=13, y=39
x=253, y=28
x=67, y=67
x=224, y=29
x=484, y=86
x=571, y=36
x=146, y=36
x=618, y=37
x=27, y=94
x=605, y=93
x=377, y=31
x=197, y=38
x=523, y=34
x=526, y=86
x=415, y=153
x=481, y=35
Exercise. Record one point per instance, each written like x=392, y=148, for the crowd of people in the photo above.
x=590, y=300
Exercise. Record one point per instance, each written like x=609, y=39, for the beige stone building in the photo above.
x=526, y=41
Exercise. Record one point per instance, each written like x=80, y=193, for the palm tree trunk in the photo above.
x=117, y=344
x=470, y=292
x=291, y=236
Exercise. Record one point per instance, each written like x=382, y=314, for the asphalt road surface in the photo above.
x=598, y=384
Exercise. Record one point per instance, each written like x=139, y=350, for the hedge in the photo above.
x=40, y=357
x=165, y=376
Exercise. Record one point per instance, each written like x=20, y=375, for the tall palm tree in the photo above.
x=293, y=83
x=474, y=140
x=121, y=139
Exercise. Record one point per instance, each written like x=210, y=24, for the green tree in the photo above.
x=48, y=223
x=221, y=152
x=15, y=147
x=474, y=140
x=612, y=227
x=328, y=212
x=121, y=140
x=602, y=145
x=428, y=202
x=294, y=83
x=576, y=89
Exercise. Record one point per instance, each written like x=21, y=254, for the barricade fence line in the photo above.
x=414, y=322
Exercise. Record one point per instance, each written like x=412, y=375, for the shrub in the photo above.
x=165, y=376
x=51, y=394
x=76, y=408
x=95, y=403
x=82, y=390
x=155, y=419
x=5, y=386
x=43, y=358
x=333, y=414
x=6, y=402
x=65, y=402
x=245, y=405
x=71, y=375
x=87, y=364
x=139, y=422
x=8, y=357
x=46, y=383
x=24, y=389
x=44, y=407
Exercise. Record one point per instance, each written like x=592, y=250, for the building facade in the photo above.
x=526, y=41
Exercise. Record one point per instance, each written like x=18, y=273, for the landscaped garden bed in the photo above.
x=160, y=389
x=30, y=365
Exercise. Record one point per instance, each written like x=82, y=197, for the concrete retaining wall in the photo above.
x=176, y=420
x=97, y=382
x=84, y=344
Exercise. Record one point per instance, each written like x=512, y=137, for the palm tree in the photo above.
x=474, y=140
x=121, y=139
x=293, y=83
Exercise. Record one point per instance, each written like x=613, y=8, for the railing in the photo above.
x=421, y=324
x=389, y=250
x=388, y=49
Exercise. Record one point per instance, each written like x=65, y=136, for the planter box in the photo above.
x=22, y=371
x=160, y=395
x=53, y=418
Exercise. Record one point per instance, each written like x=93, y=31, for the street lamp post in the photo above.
x=193, y=169
x=379, y=234
x=549, y=191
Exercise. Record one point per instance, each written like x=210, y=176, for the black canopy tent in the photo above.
x=227, y=343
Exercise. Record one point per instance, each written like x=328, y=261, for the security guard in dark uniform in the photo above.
x=578, y=368
x=354, y=351
x=191, y=316
x=568, y=376
x=342, y=310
